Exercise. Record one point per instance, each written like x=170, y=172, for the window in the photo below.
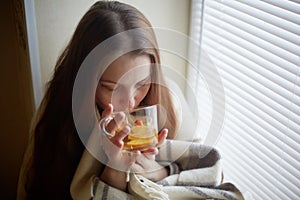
x=255, y=46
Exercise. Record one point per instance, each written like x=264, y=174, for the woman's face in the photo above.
x=125, y=83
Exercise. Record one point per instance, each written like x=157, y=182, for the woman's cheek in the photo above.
x=102, y=99
x=142, y=93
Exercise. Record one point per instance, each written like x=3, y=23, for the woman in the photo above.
x=58, y=165
x=55, y=149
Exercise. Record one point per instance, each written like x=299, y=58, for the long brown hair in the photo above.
x=57, y=148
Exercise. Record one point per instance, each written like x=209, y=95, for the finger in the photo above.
x=151, y=150
x=162, y=137
x=118, y=138
x=114, y=124
x=136, y=153
x=107, y=110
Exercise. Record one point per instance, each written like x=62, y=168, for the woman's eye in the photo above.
x=108, y=87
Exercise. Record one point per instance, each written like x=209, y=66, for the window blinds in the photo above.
x=255, y=46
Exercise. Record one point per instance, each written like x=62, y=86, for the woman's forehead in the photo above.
x=128, y=67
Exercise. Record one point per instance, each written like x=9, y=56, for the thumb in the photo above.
x=107, y=110
x=162, y=137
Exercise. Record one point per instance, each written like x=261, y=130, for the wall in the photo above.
x=57, y=19
x=16, y=102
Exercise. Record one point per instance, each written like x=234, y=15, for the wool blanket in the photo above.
x=195, y=173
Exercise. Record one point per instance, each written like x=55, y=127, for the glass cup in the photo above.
x=143, y=133
x=143, y=128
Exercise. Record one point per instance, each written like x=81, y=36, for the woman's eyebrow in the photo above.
x=113, y=82
x=108, y=81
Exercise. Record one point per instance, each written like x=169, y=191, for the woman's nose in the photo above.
x=127, y=100
x=131, y=103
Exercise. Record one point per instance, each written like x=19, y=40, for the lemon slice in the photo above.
x=140, y=132
x=139, y=143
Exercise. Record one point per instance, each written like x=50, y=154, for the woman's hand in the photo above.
x=145, y=163
x=119, y=161
x=113, y=145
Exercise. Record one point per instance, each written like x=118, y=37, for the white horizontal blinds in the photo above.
x=195, y=32
x=256, y=48
x=196, y=84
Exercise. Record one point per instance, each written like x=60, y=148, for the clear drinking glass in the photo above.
x=143, y=129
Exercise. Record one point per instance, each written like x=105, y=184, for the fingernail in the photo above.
x=119, y=117
x=167, y=131
x=126, y=129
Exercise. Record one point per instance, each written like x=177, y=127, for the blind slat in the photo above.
x=260, y=169
x=258, y=177
x=256, y=64
x=253, y=79
x=270, y=23
x=286, y=5
x=246, y=28
x=280, y=125
x=263, y=112
x=251, y=183
x=283, y=9
x=278, y=147
x=269, y=160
